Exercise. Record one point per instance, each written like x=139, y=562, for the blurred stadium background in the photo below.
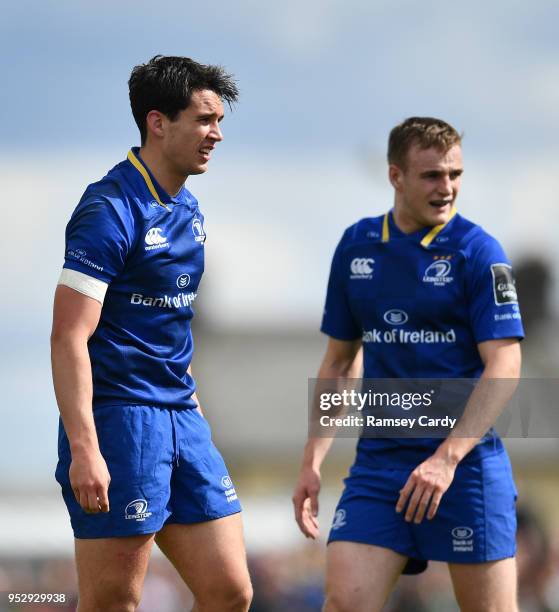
x=322, y=83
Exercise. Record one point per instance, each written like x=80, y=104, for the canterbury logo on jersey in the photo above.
x=155, y=239
x=361, y=268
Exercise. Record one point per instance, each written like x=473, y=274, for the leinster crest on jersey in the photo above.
x=198, y=231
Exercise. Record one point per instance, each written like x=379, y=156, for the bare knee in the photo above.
x=110, y=599
x=335, y=603
x=346, y=601
x=504, y=604
x=241, y=598
x=490, y=607
x=232, y=597
x=110, y=593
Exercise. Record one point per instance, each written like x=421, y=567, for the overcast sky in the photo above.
x=322, y=82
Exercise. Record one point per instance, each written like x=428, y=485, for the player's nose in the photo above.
x=215, y=133
x=445, y=186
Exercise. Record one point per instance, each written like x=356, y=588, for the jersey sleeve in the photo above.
x=493, y=302
x=338, y=320
x=99, y=237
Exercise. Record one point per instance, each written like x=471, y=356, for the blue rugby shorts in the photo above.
x=164, y=469
x=475, y=522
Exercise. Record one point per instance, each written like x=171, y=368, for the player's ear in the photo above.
x=395, y=175
x=154, y=123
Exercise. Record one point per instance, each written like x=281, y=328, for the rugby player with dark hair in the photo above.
x=136, y=459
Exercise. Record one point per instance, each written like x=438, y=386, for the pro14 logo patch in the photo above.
x=504, y=285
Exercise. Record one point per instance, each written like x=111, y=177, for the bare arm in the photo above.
x=340, y=361
x=430, y=480
x=75, y=318
x=502, y=360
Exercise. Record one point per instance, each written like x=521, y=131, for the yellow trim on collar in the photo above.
x=385, y=230
x=138, y=165
x=428, y=238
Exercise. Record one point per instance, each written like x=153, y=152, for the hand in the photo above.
x=305, y=502
x=90, y=480
x=425, y=488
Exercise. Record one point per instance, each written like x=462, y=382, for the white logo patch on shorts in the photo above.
x=462, y=539
x=137, y=510
x=229, y=492
x=339, y=519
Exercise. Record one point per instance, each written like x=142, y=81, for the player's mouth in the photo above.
x=440, y=203
x=206, y=152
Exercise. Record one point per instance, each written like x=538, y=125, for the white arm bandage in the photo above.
x=92, y=287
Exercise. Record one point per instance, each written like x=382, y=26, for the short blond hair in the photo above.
x=425, y=132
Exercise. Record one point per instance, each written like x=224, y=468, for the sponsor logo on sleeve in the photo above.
x=81, y=256
x=504, y=285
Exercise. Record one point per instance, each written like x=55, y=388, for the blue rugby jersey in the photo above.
x=149, y=247
x=421, y=303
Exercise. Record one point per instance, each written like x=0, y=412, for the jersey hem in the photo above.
x=132, y=404
x=477, y=456
x=498, y=337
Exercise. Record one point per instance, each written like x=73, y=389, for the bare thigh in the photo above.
x=211, y=559
x=360, y=577
x=111, y=572
x=485, y=587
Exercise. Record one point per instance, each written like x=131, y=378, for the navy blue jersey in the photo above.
x=421, y=303
x=149, y=247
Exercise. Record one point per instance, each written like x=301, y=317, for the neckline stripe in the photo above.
x=427, y=239
x=140, y=168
